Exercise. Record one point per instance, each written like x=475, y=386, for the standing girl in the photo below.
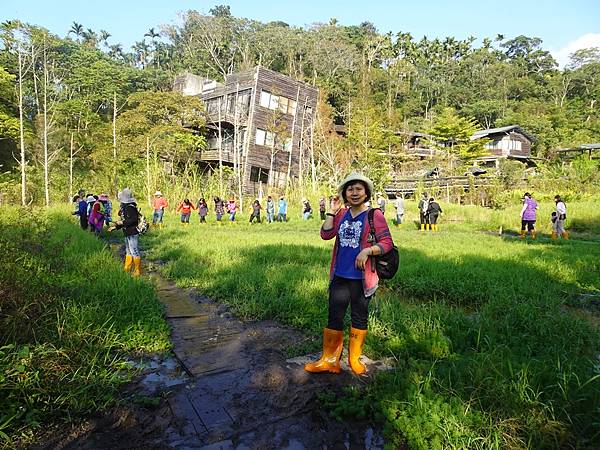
x=352, y=277
x=528, y=215
x=231, y=209
x=202, y=210
x=186, y=210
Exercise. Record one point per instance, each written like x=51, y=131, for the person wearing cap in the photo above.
x=558, y=225
x=129, y=220
x=159, y=203
x=353, y=278
x=528, y=216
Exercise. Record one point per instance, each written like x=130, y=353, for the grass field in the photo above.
x=489, y=351
x=69, y=319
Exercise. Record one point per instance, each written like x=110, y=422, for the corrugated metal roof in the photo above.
x=484, y=133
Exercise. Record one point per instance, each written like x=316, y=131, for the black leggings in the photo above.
x=530, y=224
x=344, y=292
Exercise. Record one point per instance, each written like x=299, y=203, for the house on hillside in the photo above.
x=258, y=120
x=511, y=142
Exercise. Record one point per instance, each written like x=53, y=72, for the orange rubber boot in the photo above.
x=137, y=266
x=128, y=263
x=565, y=235
x=357, y=340
x=333, y=341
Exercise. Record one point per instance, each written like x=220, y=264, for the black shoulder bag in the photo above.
x=386, y=264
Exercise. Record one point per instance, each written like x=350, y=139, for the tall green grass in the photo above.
x=69, y=317
x=487, y=353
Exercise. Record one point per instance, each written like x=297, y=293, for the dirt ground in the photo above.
x=227, y=385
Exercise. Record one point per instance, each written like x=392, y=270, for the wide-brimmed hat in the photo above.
x=125, y=196
x=352, y=178
x=90, y=199
x=103, y=197
x=158, y=193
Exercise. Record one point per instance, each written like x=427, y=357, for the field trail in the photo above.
x=234, y=390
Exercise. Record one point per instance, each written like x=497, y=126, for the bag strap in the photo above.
x=370, y=215
x=372, y=233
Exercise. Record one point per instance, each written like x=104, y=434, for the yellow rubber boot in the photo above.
x=422, y=227
x=565, y=235
x=533, y=234
x=523, y=233
x=357, y=340
x=554, y=235
x=128, y=263
x=137, y=266
x=333, y=341
x=435, y=228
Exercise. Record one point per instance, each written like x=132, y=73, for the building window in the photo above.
x=264, y=99
x=277, y=102
x=259, y=174
x=260, y=137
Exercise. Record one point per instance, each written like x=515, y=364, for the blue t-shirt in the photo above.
x=349, y=235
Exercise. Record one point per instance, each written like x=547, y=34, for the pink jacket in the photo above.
x=384, y=242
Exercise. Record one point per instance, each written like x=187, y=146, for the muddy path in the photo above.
x=228, y=385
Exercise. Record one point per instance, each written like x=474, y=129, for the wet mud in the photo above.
x=228, y=385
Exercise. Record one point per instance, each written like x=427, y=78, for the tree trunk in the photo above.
x=289, y=168
x=21, y=131
x=71, y=169
x=46, y=162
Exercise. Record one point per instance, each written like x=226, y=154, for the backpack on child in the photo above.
x=142, y=225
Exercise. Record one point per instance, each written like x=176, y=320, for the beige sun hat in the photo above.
x=355, y=177
x=125, y=196
x=158, y=194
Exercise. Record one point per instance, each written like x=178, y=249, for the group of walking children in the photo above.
x=222, y=207
x=94, y=211
x=529, y=217
x=429, y=211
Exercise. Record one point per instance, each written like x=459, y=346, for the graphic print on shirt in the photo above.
x=350, y=233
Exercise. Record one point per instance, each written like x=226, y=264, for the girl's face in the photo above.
x=356, y=194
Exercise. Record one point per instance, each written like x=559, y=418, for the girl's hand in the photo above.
x=361, y=258
x=336, y=204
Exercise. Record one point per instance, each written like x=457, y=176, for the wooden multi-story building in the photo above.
x=511, y=142
x=259, y=122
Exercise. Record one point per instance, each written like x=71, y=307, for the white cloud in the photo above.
x=586, y=41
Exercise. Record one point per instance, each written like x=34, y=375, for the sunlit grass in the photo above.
x=486, y=354
x=69, y=316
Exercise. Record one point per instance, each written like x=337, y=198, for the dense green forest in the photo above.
x=91, y=110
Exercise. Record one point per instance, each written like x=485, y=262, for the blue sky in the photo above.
x=563, y=25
